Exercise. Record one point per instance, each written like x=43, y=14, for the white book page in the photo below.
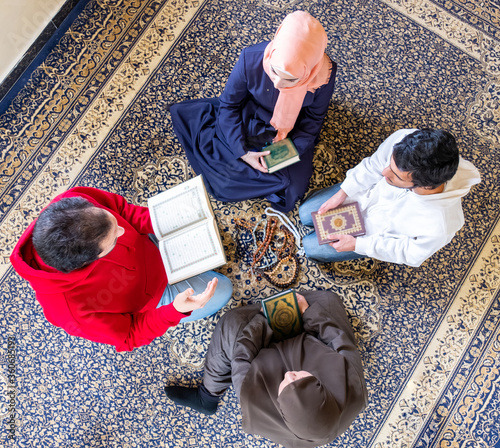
x=179, y=207
x=192, y=251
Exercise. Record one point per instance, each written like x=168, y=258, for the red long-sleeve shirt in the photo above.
x=113, y=300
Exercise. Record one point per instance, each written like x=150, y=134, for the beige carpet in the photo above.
x=94, y=113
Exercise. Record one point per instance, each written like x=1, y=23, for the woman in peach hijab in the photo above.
x=277, y=89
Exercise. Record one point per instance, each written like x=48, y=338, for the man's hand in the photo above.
x=345, y=243
x=336, y=200
x=256, y=160
x=185, y=302
x=303, y=305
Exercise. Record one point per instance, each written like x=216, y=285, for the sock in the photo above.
x=197, y=398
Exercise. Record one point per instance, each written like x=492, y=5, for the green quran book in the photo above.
x=283, y=314
x=283, y=154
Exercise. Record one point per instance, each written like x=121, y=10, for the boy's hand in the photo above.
x=336, y=200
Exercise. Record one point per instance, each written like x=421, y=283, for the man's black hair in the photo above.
x=68, y=233
x=429, y=155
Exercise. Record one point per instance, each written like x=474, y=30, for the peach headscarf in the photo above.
x=298, y=48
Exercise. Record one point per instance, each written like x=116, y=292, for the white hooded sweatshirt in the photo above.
x=403, y=226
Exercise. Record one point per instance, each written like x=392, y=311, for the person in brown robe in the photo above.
x=301, y=392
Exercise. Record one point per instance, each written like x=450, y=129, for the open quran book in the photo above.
x=185, y=226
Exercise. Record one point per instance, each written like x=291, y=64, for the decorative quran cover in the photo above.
x=283, y=314
x=283, y=154
x=346, y=220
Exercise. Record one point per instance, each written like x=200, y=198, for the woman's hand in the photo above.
x=336, y=200
x=256, y=160
x=185, y=302
x=280, y=136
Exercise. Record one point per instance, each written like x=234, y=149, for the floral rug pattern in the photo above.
x=95, y=113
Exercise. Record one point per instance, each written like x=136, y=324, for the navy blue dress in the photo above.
x=216, y=132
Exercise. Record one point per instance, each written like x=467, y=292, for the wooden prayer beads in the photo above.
x=271, y=251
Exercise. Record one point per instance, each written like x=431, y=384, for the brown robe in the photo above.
x=309, y=412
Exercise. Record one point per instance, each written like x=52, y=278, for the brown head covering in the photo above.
x=307, y=409
x=287, y=419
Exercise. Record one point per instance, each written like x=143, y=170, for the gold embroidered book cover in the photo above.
x=345, y=220
x=283, y=314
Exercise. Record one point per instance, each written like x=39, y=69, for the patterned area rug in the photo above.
x=95, y=114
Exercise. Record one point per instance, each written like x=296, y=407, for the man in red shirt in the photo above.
x=97, y=274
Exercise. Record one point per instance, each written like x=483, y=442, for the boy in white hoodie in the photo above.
x=409, y=192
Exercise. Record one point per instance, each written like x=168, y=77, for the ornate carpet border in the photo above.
x=464, y=36
x=470, y=417
x=484, y=16
x=78, y=146
x=473, y=42
x=440, y=371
